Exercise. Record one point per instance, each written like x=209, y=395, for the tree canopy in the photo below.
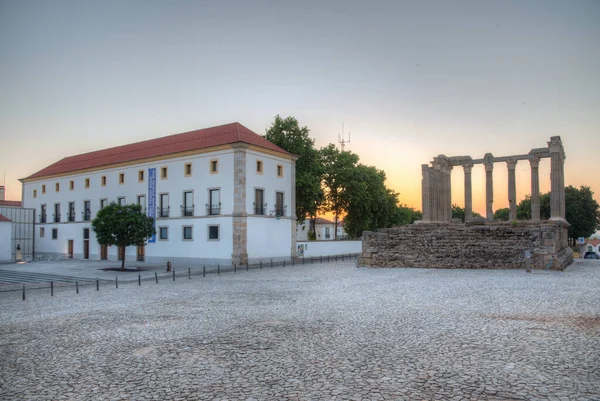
x=287, y=134
x=582, y=210
x=502, y=214
x=122, y=226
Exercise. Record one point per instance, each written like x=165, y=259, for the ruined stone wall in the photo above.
x=496, y=245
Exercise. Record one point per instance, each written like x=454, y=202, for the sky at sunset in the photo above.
x=409, y=80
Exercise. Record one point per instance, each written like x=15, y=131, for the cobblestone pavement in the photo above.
x=311, y=332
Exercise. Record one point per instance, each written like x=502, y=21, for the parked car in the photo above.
x=590, y=255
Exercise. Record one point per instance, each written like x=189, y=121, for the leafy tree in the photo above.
x=370, y=205
x=337, y=175
x=582, y=211
x=406, y=215
x=502, y=214
x=524, y=207
x=122, y=226
x=287, y=134
x=459, y=213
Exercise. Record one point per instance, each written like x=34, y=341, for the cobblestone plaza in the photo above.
x=329, y=331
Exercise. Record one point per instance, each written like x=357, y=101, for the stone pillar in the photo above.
x=425, y=192
x=557, y=179
x=443, y=191
x=293, y=207
x=488, y=162
x=240, y=216
x=512, y=189
x=468, y=192
x=534, y=162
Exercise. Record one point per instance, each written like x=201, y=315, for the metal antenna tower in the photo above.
x=341, y=139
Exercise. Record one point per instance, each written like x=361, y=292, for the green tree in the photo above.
x=287, y=134
x=337, y=175
x=459, y=213
x=406, y=215
x=502, y=214
x=582, y=212
x=122, y=226
x=370, y=205
x=524, y=207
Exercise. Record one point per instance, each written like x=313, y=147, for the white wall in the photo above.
x=5, y=241
x=268, y=181
x=269, y=237
x=324, y=248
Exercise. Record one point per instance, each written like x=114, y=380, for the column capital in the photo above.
x=534, y=161
x=488, y=162
x=467, y=167
x=511, y=164
x=555, y=146
x=442, y=163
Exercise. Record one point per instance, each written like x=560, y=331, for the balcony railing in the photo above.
x=87, y=215
x=279, y=210
x=43, y=218
x=213, y=210
x=71, y=216
x=56, y=218
x=260, y=209
x=187, y=211
x=164, y=211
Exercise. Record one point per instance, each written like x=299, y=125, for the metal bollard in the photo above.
x=97, y=284
x=23, y=293
x=261, y=265
x=336, y=257
x=311, y=260
x=342, y=257
x=247, y=267
x=234, y=267
x=117, y=282
x=271, y=263
x=189, y=273
x=293, y=261
x=76, y=287
x=327, y=258
x=283, y=262
x=204, y=271
x=156, y=277
x=139, y=279
x=52, y=288
x=218, y=269
x=321, y=258
x=173, y=274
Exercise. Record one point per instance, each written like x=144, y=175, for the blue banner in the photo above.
x=152, y=199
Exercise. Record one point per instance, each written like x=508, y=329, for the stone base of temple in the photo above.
x=493, y=245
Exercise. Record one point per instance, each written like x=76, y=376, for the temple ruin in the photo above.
x=438, y=242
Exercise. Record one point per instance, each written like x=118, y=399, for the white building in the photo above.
x=324, y=230
x=221, y=194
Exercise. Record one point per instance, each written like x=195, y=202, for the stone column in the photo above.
x=557, y=179
x=240, y=216
x=425, y=192
x=443, y=191
x=488, y=162
x=534, y=162
x=512, y=189
x=293, y=207
x=468, y=192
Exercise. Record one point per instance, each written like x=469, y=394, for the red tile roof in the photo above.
x=593, y=242
x=11, y=203
x=3, y=218
x=172, y=144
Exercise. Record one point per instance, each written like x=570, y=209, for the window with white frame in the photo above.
x=187, y=232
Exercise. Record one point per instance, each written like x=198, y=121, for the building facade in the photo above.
x=218, y=195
